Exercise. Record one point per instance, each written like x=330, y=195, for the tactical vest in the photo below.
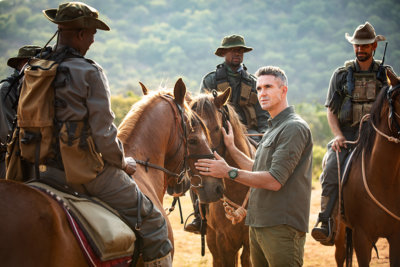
x=248, y=99
x=360, y=91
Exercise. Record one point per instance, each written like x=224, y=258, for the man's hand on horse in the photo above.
x=217, y=167
x=229, y=139
x=130, y=165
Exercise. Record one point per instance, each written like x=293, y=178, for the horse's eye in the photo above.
x=192, y=141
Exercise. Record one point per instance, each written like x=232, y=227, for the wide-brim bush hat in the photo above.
x=25, y=52
x=231, y=42
x=364, y=34
x=76, y=15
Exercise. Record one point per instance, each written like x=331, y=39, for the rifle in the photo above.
x=381, y=75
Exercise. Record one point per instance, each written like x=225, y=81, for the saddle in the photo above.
x=104, y=238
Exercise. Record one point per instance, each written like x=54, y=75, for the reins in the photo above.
x=184, y=168
x=393, y=139
x=229, y=206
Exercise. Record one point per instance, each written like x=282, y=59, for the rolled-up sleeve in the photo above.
x=289, y=149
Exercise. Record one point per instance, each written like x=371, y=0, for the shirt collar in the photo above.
x=234, y=72
x=278, y=119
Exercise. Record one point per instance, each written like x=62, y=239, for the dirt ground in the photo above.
x=188, y=246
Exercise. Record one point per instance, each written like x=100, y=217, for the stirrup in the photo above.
x=330, y=239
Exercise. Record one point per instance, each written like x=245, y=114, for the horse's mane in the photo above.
x=367, y=132
x=135, y=113
x=204, y=106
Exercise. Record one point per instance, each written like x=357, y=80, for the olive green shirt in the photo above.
x=285, y=151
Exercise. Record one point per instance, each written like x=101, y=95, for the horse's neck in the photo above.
x=236, y=191
x=149, y=142
x=383, y=161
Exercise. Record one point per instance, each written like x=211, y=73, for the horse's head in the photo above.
x=170, y=128
x=215, y=111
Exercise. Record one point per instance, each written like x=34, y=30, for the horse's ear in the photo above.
x=144, y=89
x=223, y=98
x=179, y=92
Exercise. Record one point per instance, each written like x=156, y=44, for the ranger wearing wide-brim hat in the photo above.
x=9, y=97
x=232, y=73
x=352, y=91
x=88, y=150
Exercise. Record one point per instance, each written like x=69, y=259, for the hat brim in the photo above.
x=353, y=40
x=81, y=22
x=220, y=50
x=13, y=62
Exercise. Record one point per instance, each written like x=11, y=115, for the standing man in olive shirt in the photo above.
x=280, y=177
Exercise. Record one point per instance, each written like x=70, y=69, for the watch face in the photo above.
x=233, y=173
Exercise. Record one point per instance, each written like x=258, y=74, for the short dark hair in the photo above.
x=274, y=71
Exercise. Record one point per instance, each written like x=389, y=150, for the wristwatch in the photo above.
x=233, y=173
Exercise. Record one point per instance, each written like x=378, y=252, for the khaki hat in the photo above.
x=364, y=34
x=24, y=52
x=76, y=15
x=230, y=42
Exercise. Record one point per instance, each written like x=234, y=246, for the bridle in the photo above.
x=184, y=167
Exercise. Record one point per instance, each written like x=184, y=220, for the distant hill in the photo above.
x=158, y=41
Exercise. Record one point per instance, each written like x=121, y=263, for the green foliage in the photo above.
x=158, y=41
x=121, y=105
x=318, y=155
x=315, y=116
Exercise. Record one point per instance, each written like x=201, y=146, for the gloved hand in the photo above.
x=130, y=165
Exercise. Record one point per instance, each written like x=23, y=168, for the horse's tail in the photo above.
x=349, y=247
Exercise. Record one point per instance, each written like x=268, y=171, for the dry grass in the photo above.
x=188, y=246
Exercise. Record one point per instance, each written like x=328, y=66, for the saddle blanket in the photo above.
x=104, y=238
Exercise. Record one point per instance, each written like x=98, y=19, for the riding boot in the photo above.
x=165, y=261
x=194, y=226
x=324, y=233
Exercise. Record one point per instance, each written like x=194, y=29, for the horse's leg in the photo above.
x=394, y=244
x=212, y=246
x=363, y=247
x=245, y=256
x=340, y=247
x=227, y=251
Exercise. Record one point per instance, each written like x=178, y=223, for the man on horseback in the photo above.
x=84, y=121
x=279, y=176
x=353, y=89
x=9, y=99
x=232, y=73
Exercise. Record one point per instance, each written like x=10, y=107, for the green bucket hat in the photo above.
x=24, y=52
x=76, y=15
x=364, y=34
x=232, y=41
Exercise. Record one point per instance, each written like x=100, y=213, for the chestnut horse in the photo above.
x=225, y=239
x=371, y=194
x=163, y=131
x=160, y=129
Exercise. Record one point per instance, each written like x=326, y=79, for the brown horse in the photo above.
x=154, y=131
x=224, y=239
x=159, y=128
x=371, y=194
